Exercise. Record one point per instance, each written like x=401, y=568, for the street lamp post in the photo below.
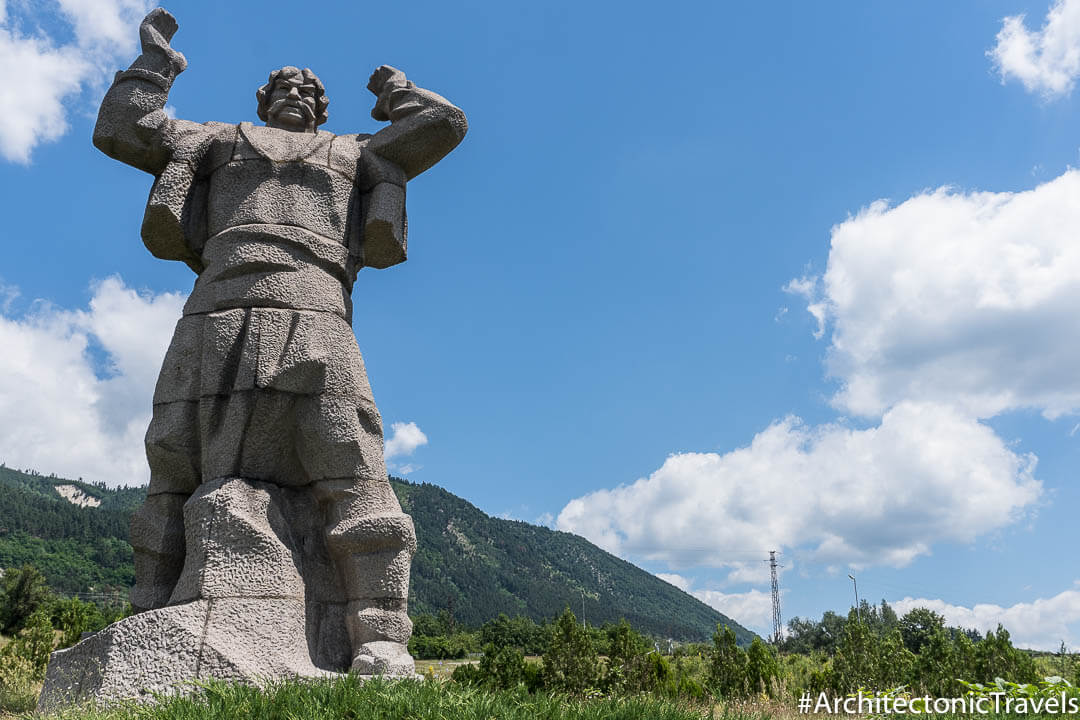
x=858, y=610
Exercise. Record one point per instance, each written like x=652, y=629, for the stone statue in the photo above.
x=270, y=542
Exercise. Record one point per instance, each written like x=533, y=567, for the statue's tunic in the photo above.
x=270, y=311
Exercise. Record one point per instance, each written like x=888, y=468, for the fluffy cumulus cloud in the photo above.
x=752, y=608
x=1041, y=624
x=76, y=385
x=98, y=33
x=675, y=579
x=1047, y=60
x=939, y=313
x=883, y=495
x=964, y=298
x=404, y=439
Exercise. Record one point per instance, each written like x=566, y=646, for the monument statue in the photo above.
x=270, y=542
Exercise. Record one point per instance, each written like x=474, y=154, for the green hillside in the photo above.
x=468, y=563
x=78, y=549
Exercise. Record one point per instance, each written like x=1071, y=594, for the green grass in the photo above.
x=352, y=699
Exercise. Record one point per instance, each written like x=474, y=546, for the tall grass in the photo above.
x=353, y=699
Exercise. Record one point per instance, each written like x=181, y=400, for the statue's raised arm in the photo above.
x=424, y=126
x=133, y=110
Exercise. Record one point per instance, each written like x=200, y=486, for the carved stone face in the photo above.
x=292, y=104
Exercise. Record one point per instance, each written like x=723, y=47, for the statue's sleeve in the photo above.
x=423, y=128
x=132, y=127
x=132, y=124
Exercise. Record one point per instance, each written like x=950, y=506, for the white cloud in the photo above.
x=883, y=495
x=107, y=24
x=62, y=409
x=807, y=287
x=751, y=609
x=1046, y=61
x=47, y=75
x=1041, y=624
x=751, y=573
x=405, y=438
x=961, y=298
x=51, y=73
x=674, y=579
x=950, y=308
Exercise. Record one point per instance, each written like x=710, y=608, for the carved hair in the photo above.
x=321, y=101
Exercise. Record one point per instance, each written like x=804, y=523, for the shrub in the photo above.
x=762, y=670
x=996, y=657
x=73, y=617
x=571, y=663
x=32, y=645
x=727, y=665
x=502, y=668
x=22, y=592
x=856, y=661
x=18, y=686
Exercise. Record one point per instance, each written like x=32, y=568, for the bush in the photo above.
x=467, y=674
x=727, y=665
x=33, y=645
x=73, y=617
x=520, y=632
x=18, y=686
x=22, y=592
x=440, y=647
x=857, y=662
x=996, y=657
x=502, y=668
x=571, y=663
x=762, y=670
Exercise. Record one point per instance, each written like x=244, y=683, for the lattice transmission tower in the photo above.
x=777, y=624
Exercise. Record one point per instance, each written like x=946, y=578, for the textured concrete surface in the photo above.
x=259, y=597
x=270, y=543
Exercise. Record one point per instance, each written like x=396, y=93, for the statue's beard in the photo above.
x=279, y=105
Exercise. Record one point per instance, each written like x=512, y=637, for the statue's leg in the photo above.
x=370, y=539
x=172, y=449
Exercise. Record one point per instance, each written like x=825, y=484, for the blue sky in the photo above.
x=702, y=281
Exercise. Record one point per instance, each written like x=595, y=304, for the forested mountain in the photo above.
x=78, y=549
x=468, y=563
x=480, y=566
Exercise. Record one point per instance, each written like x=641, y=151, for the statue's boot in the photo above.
x=157, y=537
x=372, y=543
x=157, y=527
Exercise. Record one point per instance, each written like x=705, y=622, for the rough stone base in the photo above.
x=160, y=650
x=258, y=600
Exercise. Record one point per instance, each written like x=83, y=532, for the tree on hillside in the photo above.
x=22, y=591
